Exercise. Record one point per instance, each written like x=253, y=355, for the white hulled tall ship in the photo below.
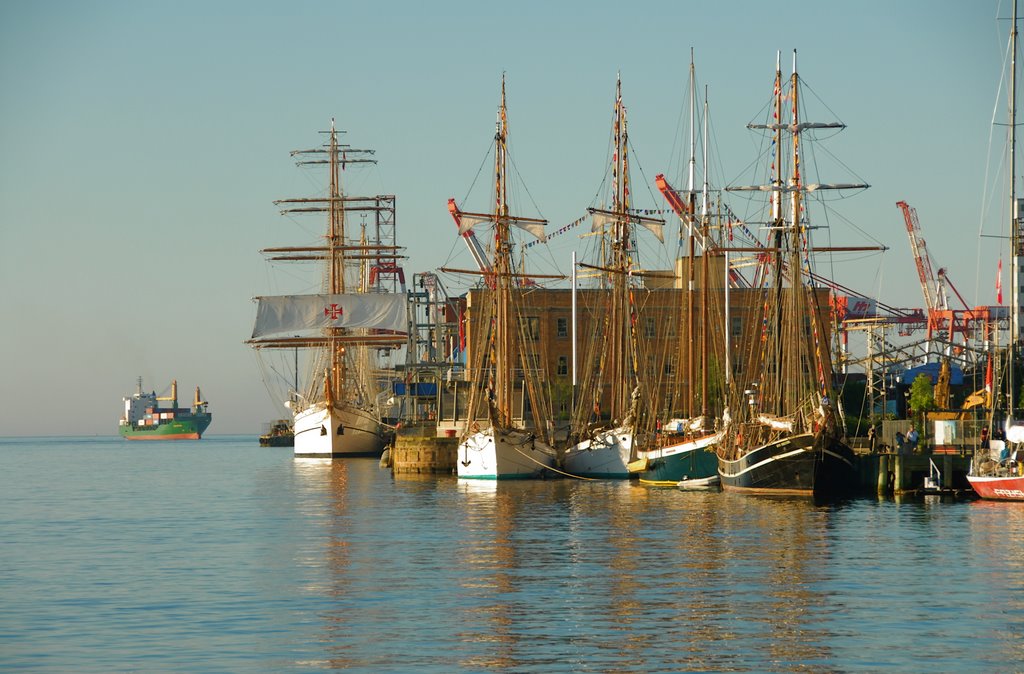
x=613, y=351
x=498, y=442
x=344, y=327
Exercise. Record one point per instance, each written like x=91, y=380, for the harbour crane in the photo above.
x=942, y=321
x=475, y=249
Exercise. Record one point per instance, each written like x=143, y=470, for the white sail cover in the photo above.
x=776, y=423
x=600, y=220
x=297, y=314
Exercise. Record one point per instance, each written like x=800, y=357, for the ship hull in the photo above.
x=500, y=454
x=277, y=441
x=794, y=465
x=324, y=432
x=604, y=456
x=694, y=460
x=177, y=429
x=1010, y=488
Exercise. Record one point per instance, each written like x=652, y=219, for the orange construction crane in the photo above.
x=475, y=249
x=941, y=319
x=934, y=297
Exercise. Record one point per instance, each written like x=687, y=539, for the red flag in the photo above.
x=988, y=375
x=462, y=332
x=999, y=282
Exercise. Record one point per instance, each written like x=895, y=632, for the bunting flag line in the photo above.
x=579, y=220
x=560, y=230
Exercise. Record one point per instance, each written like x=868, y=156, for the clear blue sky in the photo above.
x=142, y=144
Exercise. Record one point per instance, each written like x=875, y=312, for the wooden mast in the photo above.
x=621, y=344
x=1015, y=238
x=503, y=330
x=335, y=263
x=691, y=254
x=793, y=379
x=705, y=293
x=778, y=224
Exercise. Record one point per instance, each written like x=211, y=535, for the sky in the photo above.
x=142, y=145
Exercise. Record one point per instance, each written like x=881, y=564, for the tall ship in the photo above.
x=601, y=448
x=788, y=436
x=509, y=433
x=684, y=452
x=145, y=419
x=350, y=328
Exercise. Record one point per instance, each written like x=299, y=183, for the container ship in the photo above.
x=145, y=419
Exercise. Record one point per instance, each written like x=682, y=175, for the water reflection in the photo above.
x=485, y=578
x=247, y=560
x=654, y=579
x=610, y=576
x=324, y=562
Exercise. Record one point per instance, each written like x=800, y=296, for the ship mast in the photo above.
x=1015, y=235
x=778, y=224
x=622, y=345
x=705, y=233
x=691, y=189
x=796, y=389
x=504, y=332
x=335, y=260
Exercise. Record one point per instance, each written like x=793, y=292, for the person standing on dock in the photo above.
x=912, y=438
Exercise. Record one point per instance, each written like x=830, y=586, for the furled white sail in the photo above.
x=602, y=219
x=297, y=314
x=776, y=423
x=531, y=225
x=468, y=222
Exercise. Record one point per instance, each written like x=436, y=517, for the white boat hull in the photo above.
x=499, y=454
x=337, y=432
x=606, y=455
x=700, y=484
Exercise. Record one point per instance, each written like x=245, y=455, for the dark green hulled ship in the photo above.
x=145, y=419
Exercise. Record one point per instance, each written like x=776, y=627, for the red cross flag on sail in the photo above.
x=296, y=315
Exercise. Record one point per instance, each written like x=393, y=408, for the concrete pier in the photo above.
x=417, y=449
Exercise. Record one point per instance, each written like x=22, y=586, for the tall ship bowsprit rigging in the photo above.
x=509, y=433
x=787, y=436
x=349, y=328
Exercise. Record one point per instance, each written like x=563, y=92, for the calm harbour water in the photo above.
x=223, y=556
